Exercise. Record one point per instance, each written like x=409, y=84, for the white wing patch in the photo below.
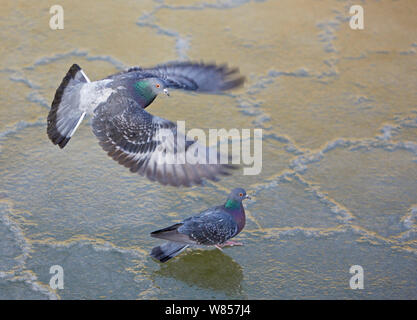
x=84, y=75
x=93, y=94
x=78, y=124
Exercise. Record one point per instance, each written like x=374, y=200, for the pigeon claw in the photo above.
x=232, y=243
x=228, y=244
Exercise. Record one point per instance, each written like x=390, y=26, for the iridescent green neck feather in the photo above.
x=143, y=88
x=232, y=204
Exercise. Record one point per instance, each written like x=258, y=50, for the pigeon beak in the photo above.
x=248, y=197
x=166, y=92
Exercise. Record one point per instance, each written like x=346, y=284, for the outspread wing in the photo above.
x=198, y=76
x=210, y=227
x=151, y=145
x=194, y=76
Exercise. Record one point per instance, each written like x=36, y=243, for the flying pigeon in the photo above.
x=146, y=144
x=212, y=227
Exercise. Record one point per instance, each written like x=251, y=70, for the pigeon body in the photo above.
x=144, y=143
x=212, y=227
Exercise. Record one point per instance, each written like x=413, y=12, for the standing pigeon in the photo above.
x=130, y=135
x=214, y=226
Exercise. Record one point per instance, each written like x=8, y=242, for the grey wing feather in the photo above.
x=148, y=144
x=125, y=72
x=194, y=76
x=198, y=76
x=211, y=227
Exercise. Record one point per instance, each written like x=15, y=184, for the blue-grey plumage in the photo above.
x=212, y=227
x=129, y=134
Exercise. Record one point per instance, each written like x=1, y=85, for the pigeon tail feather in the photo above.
x=167, y=251
x=65, y=115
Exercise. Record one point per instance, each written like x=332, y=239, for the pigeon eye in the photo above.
x=241, y=194
x=157, y=85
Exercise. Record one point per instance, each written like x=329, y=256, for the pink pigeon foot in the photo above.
x=231, y=244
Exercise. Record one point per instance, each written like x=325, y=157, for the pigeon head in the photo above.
x=234, y=200
x=238, y=194
x=150, y=88
x=157, y=86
